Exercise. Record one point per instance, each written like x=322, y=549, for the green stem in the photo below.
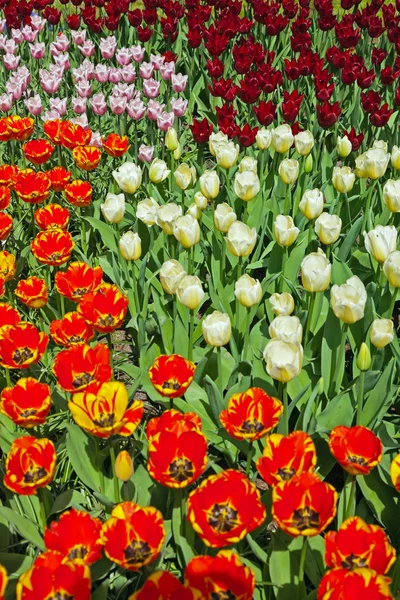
x=110, y=347
x=367, y=209
x=392, y=303
x=115, y=478
x=340, y=359
x=135, y=287
x=360, y=401
x=219, y=363
x=284, y=261
x=303, y=556
x=190, y=261
x=100, y=466
x=223, y=261
x=42, y=509
x=191, y=328
x=285, y=411
x=310, y=234
x=246, y=335
x=309, y=318
x=249, y=456
x=350, y=483
x=83, y=233
x=8, y=378
x=286, y=205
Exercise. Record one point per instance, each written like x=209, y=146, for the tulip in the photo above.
x=224, y=216
x=113, y=208
x=263, y=138
x=372, y=164
x=190, y=292
x=145, y=153
x=171, y=274
x=282, y=304
x=200, y=201
x=165, y=121
x=287, y=329
x=247, y=185
x=194, y=211
x=186, y=229
x=363, y=361
x=395, y=157
x=315, y=272
x=289, y=170
x=146, y=211
x=123, y=466
x=391, y=268
x=248, y=291
x=380, y=144
x=381, y=241
x=285, y=231
x=209, y=184
x=158, y=171
x=178, y=152
x=391, y=195
x=282, y=138
x=381, y=333
x=348, y=300
x=215, y=139
x=241, y=239
x=328, y=228
x=343, y=146
x=130, y=245
x=343, y=179
x=308, y=164
x=167, y=215
x=129, y=177
x=248, y=164
x=217, y=329
x=284, y=360
x=171, y=139
x=226, y=154
x=184, y=176
x=304, y=142
x=312, y=203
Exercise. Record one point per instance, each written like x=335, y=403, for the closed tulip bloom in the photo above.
x=285, y=231
x=171, y=274
x=381, y=333
x=128, y=177
x=263, y=138
x=190, y=291
x=395, y=157
x=227, y=154
x=304, y=142
x=215, y=139
x=200, y=201
x=224, y=217
x=167, y=215
x=209, y=184
x=123, y=466
x=289, y=170
x=328, y=228
x=282, y=138
x=113, y=208
x=284, y=360
x=248, y=291
x=146, y=211
x=158, y=171
x=130, y=245
x=380, y=144
x=312, y=203
x=282, y=304
x=343, y=179
x=381, y=241
x=391, y=268
x=248, y=164
x=186, y=229
x=171, y=139
x=287, y=329
x=178, y=152
x=247, y=185
x=217, y=329
x=194, y=211
x=391, y=195
x=241, y=239
x=184, y=176
x=348, y=300
x=315, y=272
x=343, y=146
x=372, y=164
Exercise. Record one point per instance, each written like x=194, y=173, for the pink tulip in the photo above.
x=136, y=109
x=157, y=61
x=146, y=70
x=96, y=140
x=84, y=89
x=179, y=82
x=146, y=153
x=87, y=48
x=29, y=34
x=10, y=47
x=151, y=88
x=118, y=104
x=128, y=73
x=59, y=104
x=165, y=120
x=108, y=47
x=78, y=105
x=167, y=70
x=82, y=120
x=38, y=23
x=50, y=83
x=123, y=57
x=88, y=68
x=3, y=24
x=3, y=41
x=179, y=106
x=61, y=43
x=114, y=75
x=98, y=104
x=101, y=73
x=62, y=61
x=38, y=50
x=6, y=101
x=15, y=89
x=137, y=53
x=17, y=36
x=34, y=105
x=123, y=89
x=11, y=62
x=78, y=37
x=154, y=109
x=50, y=115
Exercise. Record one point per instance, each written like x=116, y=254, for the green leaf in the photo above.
x=182, y=531
x=82, y=453
x=380, y=398
x=24, y=526
x=15, y=564
x=67, y=499
x=215, y=399
x=349, y=239
x=329, y=349
x=383, y=502
x=107, y=233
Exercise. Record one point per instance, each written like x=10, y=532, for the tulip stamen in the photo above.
x=137, y=552
x=82, y=379
x=357, y=460
x=34, y=474
x=78, y=552
x=171, y=384
x=21, y=355
x=181, y=469
x=354, y=562
x=306, y=518
x=223, y=518
x=286, y=473
x=225, y=595
x=252, y=426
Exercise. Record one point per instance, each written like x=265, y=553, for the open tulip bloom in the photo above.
x=199, y=275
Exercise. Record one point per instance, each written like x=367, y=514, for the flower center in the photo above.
x=34, y=474
x=104, y=420
x=354, y=562
x=171, y=384
x=79, y=292
x=22, y=355
x=29, y=412
x=107, y=321
x=305, y=518
x=82, y=379
x=137, y=552
x=286, y=473
x=252, y=426
x=55, y=256
x=76, y=339
x=223, y=518
x=181, y=469
x=357, y=460
x=225, y=595
x=78, y=552
x=61, y=596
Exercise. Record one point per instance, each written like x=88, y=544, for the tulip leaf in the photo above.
x=23, y=525
x=15, y=564
x=215, y=398
x=380, y=398
x=348, y=240
x=329, y=350
x=339, y=411
x=382, y=499
x=81, y=451
x=182, y=530
x=106, y=232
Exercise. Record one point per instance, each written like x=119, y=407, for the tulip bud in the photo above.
x=381, y=241
x=284, y=360
x=217, y=329
x=364, y=358
x=304, y=142
x=348, y=300
x=226, y=154
x=183, y=176
x=224, y=216
x=381, y=333
x=158, y=171
x=241, y=239
x=247, y=185
x=328, y=228
x=289, y=170
x=282, y=138
x=209, y=184
x=171, y=274
x=282, y=304
x=123, y=466
x=380, y=144
x=248, y=291
x=391, y=268
x=178, y=152
x=248, y=164
x=215, y=139
x=200, y=201
x=308, y=164
x=285, y=231
x=343, y=179
x=263, y=138
x=129, y=177
x=190, y=292
x=391, y=195
x=113, y=208
x=395, y=157
x=166, y=215
x=130, y=245
x=146, y=211
x=312, y=203
x=373, y=163
x=315, y=272
x=320, y=385
x=343, y=146
x=171, y=139
x=186, y=229
x=287, y=329
x=194, y=211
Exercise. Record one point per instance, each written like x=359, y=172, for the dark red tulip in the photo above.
x=201, y=130
x=328, y=114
